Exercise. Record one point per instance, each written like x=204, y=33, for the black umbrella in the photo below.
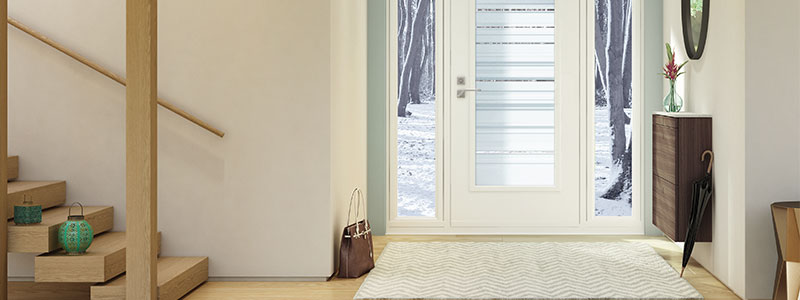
x=701, y=196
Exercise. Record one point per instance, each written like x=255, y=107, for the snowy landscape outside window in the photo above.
x=613, y=107
x=416, y=109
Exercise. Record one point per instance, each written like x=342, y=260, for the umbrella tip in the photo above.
x=682, y=269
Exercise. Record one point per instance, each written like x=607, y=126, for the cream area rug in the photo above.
x=500, y=270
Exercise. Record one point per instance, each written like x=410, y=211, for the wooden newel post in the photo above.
x=141, y=149
x=4, y=149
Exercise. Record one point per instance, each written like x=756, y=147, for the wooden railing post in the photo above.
x=141, y=151
x=3, y=150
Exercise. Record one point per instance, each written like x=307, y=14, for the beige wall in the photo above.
x=348, y=107
x=715, y=85
x=260, y=202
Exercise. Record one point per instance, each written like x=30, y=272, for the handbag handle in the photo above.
x=363, y=200
x=358, y=197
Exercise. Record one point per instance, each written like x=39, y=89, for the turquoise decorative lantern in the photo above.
x=75, y=235
x=27, y=213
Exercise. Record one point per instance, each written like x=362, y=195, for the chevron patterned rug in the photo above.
x=523, y=271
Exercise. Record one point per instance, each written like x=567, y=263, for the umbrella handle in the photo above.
x=710, y=162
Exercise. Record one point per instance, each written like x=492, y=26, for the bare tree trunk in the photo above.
x=627, y=68
x=417, y=51
x=622, y=184
x=423, y=67
x=616, y=100
x=405, y=10
x=601, y=61
x=621, y=95
x=429, y=71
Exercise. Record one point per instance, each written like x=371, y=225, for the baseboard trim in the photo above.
x=268, y=278
x=20, y=278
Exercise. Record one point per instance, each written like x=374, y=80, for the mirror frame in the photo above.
x=686, y=16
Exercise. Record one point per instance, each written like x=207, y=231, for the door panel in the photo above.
x=514, y=155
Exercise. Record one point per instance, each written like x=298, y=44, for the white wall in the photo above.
x=748, y=79
x=773, y=128
x=715, y=85
x=262, y=201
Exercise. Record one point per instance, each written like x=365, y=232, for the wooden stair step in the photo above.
x=177, y=276
x=13, y=167
x=43, y=237
x=45, y=193
x=104, y=260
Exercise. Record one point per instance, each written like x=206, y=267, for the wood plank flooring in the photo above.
x=344, y=289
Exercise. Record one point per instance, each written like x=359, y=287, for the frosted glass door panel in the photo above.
x=515, y=107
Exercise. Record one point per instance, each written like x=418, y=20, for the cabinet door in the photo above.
x=664, y=210
x=665, y=152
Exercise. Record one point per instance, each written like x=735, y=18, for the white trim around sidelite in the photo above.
x=392, y=219
x=636, y=220
x=589, y=223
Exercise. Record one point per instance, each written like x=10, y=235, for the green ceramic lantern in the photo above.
x=75, y=235
x=27, y=213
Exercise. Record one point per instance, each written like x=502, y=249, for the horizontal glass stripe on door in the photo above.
x=518, y=72
x=515, y=109
x=514, y=169
x=493, y=18
x=501, y=36
x=515, y=5
x=532, y=140
x=513, y=118
x=513, y=53
x=510, y=105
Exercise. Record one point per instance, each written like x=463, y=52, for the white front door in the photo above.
x=514, y=124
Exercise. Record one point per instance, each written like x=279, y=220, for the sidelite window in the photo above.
x=613, y=103
x=416, y=109
x=515, y=107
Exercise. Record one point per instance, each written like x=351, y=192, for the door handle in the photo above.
x=462, y=93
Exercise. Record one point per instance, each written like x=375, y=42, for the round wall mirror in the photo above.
x=695, y=26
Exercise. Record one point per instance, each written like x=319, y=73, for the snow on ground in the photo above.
x=605, y=172
x=416, y=164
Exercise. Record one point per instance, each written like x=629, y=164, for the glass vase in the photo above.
x=672, y=102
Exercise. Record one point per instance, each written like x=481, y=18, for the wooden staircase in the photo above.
x=177, y=276
x=104, y=262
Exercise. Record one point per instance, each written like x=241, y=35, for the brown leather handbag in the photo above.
x=355, y=253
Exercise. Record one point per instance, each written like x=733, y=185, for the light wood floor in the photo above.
x=341, y=289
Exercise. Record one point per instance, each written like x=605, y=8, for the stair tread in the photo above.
x=104, y=260
x=168, y=268
x=102, y=245
x=57, y=215
x=43, y=237
x=176, y=277
x=23, y=185
x=45, y=193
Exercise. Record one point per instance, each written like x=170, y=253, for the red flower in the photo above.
x=672, y=70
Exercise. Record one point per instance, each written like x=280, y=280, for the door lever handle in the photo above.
x=462, y=93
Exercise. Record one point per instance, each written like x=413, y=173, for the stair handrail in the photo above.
x=110, y=75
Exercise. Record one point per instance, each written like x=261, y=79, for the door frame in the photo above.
x=589, y=223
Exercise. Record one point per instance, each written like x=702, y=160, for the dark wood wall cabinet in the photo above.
x=679, y=140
